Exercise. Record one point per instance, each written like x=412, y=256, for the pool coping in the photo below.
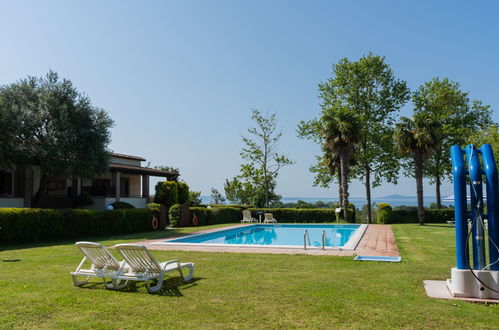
x=350, y=245
x=377, y=240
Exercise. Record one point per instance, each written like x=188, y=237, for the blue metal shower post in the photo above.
x=490, y=168
x=476, y=192
x=460, y=211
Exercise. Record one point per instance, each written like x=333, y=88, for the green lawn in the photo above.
x=244, y=290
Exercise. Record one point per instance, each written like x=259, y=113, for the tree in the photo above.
x=47, y=122
x=263, y=160
x=458, y=118
x=418, y=137
x=238, y=192
x=341, y=134
x=217, y=197
x=487, y=135
x=194, y=198
x=368, y=88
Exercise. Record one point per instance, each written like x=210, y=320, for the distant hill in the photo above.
x=395, y=196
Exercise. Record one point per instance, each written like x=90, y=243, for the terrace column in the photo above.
x=116, y=180
x=145, y=186
x=28, y=186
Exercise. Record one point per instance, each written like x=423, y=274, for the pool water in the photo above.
x=277, y=235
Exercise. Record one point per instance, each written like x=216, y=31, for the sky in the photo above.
x=179, y=78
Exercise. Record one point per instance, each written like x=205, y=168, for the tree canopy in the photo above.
x=457, y=117
x=256, y=182
x=47, y=122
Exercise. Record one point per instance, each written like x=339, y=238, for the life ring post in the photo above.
x=195, y=220
x=154, y=223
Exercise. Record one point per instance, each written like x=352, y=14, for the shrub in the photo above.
x=166, y=193
x=194, y=198
x=439, y=215
x=183, y=192
x=122, y=205
x=152, y=206
x=237, y=206
x=37, y=225
x=174, y=215
x=384, y=213
x=85, y=199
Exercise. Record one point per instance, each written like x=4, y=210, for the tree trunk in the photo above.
x=418, y=163
x=340, y=187
x=368, y=193
x=344, y=185
x=438, y=183
x=42, y=188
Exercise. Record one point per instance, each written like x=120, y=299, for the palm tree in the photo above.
x=341, y=130
x=418, y=136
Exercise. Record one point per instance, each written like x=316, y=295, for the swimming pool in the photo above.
x=343, y=236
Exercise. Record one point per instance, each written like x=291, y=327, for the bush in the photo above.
x=183, y=192
x=85, y=199
x=152, y=206
x=409, y=214
x=122, y=205
x=384, y=213
x=194, y=198
x=166, y=193
x=174, y=215
x=38, y=225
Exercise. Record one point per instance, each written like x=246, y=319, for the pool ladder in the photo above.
x=306, y=237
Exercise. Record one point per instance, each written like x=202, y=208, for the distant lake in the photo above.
x=359, y=201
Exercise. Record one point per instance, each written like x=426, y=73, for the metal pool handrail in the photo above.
x=323, y=239
x=305, y=237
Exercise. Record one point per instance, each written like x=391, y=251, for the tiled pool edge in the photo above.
x=382, y=236
x=350, y=245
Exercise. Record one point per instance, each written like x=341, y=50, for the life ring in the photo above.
x=195, y=221
x=154, y=223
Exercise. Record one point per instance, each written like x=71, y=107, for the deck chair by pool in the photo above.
x=103, y=265
x=247, y=217
x=269, y=218
x=142, y=266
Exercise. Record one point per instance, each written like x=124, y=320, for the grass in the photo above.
x=244, y=290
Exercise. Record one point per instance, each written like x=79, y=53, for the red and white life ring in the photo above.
x=195, y=221
x=154, y=223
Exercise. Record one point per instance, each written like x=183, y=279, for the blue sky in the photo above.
x=179, y=77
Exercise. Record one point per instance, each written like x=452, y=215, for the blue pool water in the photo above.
x=276, y=235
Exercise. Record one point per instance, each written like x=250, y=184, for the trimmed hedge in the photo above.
x=409, y=214
x=122, y=205
x=38, y=225
x=219, y=215
x=174, y=215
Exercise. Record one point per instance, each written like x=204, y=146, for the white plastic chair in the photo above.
x=247, y=217
x=103, y=265
x=142, y=266
x=269, y=218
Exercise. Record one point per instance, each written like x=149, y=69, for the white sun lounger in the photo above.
x=269, y=218
x=247, y=217
x=103, y=265
x=142, y=266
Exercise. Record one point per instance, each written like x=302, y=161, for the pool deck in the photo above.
x=378, y=240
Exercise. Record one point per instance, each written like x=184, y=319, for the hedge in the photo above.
x=38, y=225
x=219, y=215
x=409, y=214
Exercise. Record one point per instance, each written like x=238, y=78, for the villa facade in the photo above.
x=127, y=181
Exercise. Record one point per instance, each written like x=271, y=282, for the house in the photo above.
x=127, y=181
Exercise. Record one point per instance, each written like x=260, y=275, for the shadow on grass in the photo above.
x=97, y=238
x=171, y=286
